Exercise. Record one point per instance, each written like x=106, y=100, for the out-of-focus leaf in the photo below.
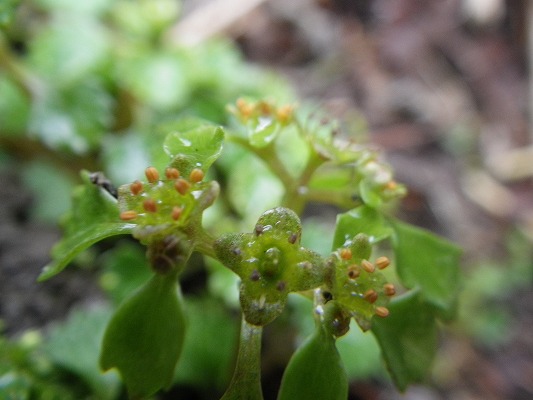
x=370, y=194
x=14, y=108
x=81, y=6
x=126, y=157
x=429, y=263
x=69, y=47
x=75, y=344
x=51, y=191
x=210, y=345
x=145, y=337
x=360, y=354
x=74, y=118
x=263, y=133
x=252, y=188
x=7, y=12
x=156, y=79
x=408, y=339
x=94, y=217
x=145, y=18
x=125, y=269
x=362, y=219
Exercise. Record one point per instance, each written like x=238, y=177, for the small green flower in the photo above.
x=358, y=287
x=166, y=214
x=271, y=264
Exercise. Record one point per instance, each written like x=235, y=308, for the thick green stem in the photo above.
x=246, y=381
x=296, y=196
x=270, y=158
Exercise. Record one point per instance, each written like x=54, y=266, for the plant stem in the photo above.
x=246, y=381
x=297, y=197
x=269, y=156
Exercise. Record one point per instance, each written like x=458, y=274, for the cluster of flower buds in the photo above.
x=378, y=182
x=159, y=202
x=271, y=263
x=358, y=286
x=246, y=110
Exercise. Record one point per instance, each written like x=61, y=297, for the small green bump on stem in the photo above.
x=255, y=275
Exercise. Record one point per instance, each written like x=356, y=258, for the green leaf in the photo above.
x=94, y=217
x=428, y=262
x=370, y=193
x=263, y=132
x=315, y=371
x=362, y=219
x=408, y=339
x=192, y=143
x=74, y=345
x=145, y=337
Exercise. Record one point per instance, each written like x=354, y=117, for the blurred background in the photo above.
x=441, y=86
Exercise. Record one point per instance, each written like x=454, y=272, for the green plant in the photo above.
x=276, y=156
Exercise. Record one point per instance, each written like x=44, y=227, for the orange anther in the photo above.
x=128, y=215
x=284, y=113
x=151, y=174
x=391, y=185
x=176, y=213
x=389, y=289
x=136, y=187
x=346, y=254
x=368, y=266
x=382, y=312
x=150, y=205
x=196, y=175
x=353, y=271
x=382, y=262
x=371, y=296
x=182, y=186
x=172, y=173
